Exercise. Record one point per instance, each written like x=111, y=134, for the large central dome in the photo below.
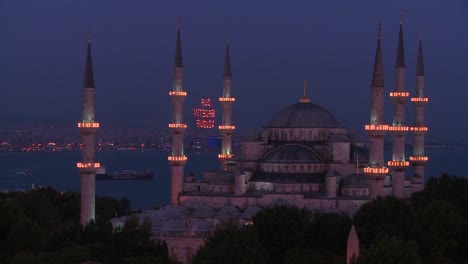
x=303, y=115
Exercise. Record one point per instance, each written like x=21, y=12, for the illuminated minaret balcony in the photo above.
x=226, y=127
x=177, y=160
x=88, y=125
x=398, y=130
x=381, y=170
x=419, y=130
x=227, y=99
x=419, y=160
x=399, y=97
x=397, y=165
x=175, y=125
x=376, y=130
x=178, y=93
x=88, y=165
x=419, y=101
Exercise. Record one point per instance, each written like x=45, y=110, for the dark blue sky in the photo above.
x=274, y=46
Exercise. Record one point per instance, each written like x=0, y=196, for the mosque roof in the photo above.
x=289, y=177
x=303, y=115
x=293, y=154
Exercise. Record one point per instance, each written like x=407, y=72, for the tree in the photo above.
x=280, y=228
x=330, y=232
x=386, y=216
x=385, y=250
x=231, y=244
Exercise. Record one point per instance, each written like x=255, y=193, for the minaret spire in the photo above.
x=88, y=80
x=400, y=58
x=376, y=129
x=178, y=51
x=88, y=127
x=420, y=63
x=177, y=159
x=226, y=128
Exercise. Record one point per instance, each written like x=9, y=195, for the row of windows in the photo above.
x=293, y=168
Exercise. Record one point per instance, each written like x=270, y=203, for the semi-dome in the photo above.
x=303, y=115
x=356, y=180
x=293, y=154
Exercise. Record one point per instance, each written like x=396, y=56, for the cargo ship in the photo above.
x=126, y=175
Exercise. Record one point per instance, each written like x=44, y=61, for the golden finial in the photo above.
x=401, y=17
x=227, y=38
x=305, y=88
x=89, y=37
x=178, y=22
x=304, y=98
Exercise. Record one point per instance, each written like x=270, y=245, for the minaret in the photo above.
x=419, y=130
x=376, y=129
x=398, y=129
x=352, y=246
x=177, y=159
x=88, y=128
x=226, y=128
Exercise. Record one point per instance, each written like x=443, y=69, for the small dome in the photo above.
x=303, y=115
x=355, y=180
x=171, y=212
x=293, y=154
x=203, y=211
x=174, y=225
x=251, y=211
x=199, y=225
x=227, y=212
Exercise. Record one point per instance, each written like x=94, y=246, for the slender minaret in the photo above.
x=177, y=159
x=419, y=130
x=226, y=128
x=398, y=129
x=376, y=129
x=352, y=246
x=88, y=128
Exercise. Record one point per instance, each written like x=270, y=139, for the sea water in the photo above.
x=58, y=169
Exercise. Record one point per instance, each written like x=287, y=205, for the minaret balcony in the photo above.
x=419, y=160
x=176, y=125
x=178, y=93
x=177, y=160
x=226, y=127
x=376, y=173
x=419, y=101
x=376, y=130
x=398, y=130
x=399, y=97
x=419, y=130
x=397, y=165
x=225, y=156
x=88, y=125
x=88, y=165
x=227, y=99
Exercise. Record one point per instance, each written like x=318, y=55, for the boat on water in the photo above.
x=22, y=171
x=126, y=175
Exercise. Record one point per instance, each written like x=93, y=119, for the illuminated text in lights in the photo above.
x=225, y=156
x=417, y=129
x=88, y=125
x=419, y=158
x=398, y=128
x=178, y=93
x=376, y=127
x=399, y=94
x=395, y=163
x=226, y=127
x=418, y=99
x=88, y=165
x=381, y=170
x=174, y=125
x=177, y=158
x=227, y=99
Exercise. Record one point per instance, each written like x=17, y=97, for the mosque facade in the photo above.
x=303, y=157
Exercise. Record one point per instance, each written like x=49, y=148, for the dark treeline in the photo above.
x=42, y=226
x=431, y=227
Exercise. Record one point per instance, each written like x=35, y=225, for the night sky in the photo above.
x=275, y=45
